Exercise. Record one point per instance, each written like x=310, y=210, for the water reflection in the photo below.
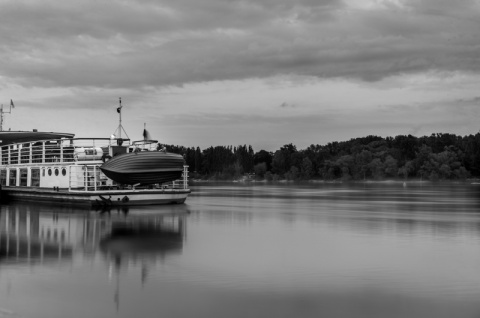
x=143, y=239
x=140, y=241
x=31, y=233
x=441, y=209
x=259, y=250
x=125, y=241
x=25, y=236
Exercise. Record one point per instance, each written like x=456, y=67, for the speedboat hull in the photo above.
x=145, y=167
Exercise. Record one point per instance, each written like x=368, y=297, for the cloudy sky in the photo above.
x=229, y=72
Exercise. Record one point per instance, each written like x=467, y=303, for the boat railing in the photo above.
x=89, y=177
x=177, y=184
x=58, y=150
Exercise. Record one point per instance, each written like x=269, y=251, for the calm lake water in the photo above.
x=233, y=250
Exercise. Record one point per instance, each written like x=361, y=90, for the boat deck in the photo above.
x=98, y=197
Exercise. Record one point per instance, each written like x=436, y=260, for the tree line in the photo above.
x=435, y=157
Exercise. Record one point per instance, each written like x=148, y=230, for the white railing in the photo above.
x=88, y=178
x=91, y=178
x=59, y=150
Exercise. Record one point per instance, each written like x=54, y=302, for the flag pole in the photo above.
x=120, y=127
x=120, y=115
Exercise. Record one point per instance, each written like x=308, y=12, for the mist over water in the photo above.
x=250, y=250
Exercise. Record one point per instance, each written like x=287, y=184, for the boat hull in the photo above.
x=145, y=167
x=106, y=198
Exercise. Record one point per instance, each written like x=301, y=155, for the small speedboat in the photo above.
x=144, y=167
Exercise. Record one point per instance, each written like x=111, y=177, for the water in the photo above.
x=329, y=250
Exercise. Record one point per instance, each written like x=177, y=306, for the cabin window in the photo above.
x=35, y=177
x=43, y=172
x=23, y=177
x=56, y=172
x=49, y=172
x=3, y=177
x=12, y=178
x=64, y=172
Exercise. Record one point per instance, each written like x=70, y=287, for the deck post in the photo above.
x=31, y=153
x=43, y=152
x=61, y=151
x=9, y=154
x=85, y=178
x=185, y=177
x=95, y=178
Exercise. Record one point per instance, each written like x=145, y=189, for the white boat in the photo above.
x=67, y=170
x=62, y=169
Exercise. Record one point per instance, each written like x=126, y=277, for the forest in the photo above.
x=436, y=157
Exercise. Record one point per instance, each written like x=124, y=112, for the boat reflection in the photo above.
x=26, y=237
x=138, y=244
x=126, y=239
x=141, y=238
x=34, y=234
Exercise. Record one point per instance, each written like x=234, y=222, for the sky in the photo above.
x=231, y=72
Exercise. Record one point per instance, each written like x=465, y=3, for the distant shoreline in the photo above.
x=404, y=158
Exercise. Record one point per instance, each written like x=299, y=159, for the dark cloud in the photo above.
x=132, y=44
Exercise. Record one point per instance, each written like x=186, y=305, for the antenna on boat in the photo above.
x=120, y=127
x=5, y=112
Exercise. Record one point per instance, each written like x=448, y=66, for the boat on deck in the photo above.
x=144, y=167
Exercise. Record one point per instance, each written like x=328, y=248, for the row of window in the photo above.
x=56, y=171
x=23, y=174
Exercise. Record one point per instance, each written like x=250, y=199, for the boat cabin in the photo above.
x=62, y=163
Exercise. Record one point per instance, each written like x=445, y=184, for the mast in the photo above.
x=120, y=127
x=4, y=112
x=120, y=118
